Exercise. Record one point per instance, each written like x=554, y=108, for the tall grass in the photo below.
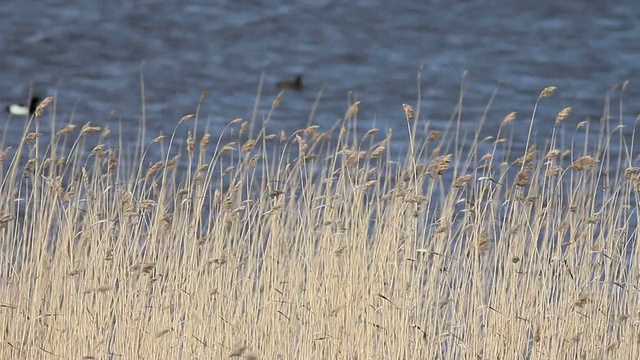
x=321, y=244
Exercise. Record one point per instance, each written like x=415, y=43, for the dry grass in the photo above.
x=320, y=244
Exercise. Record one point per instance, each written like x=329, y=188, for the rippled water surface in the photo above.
x=92, y=57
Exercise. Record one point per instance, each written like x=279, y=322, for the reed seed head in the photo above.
x=186, y=118
x=563, y=114
x=509, y=118
x=40, y=108
x=408, y=111
x=548, y=91
x=353, y=110
x=586, y=162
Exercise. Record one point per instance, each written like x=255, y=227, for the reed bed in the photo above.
x=321, y=244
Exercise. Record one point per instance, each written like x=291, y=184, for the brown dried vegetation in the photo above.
x=321, y=244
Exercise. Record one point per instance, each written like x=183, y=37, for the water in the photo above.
x=92, y=56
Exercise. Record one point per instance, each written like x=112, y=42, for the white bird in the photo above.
x=23, y=110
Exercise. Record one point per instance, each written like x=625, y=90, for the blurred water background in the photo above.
x=91, y=57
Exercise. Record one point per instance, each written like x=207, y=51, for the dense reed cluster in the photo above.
x=320, y=244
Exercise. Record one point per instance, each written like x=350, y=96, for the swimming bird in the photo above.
x=292, y=84
x=22, y=110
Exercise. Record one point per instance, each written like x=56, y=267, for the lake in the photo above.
x=92, y=56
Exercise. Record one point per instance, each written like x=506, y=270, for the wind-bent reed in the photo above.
x=321, y=244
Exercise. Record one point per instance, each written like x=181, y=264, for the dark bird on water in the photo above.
x=22, y=110
x=292, y=84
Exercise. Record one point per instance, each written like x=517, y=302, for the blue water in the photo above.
x=92, y=58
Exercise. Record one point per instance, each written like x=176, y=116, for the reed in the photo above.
x=320, y=244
